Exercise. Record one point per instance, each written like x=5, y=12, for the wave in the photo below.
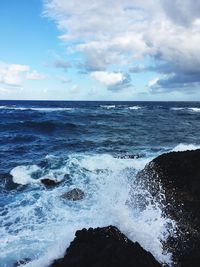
x=108, y=106
x=36, y=109
x=52, y=109
x=194, y=109
x=44, y=224
x=22, y=174
x=134, y=108
x=177, y=109
x=34, y=127
x=185, y=147
x=186, y=109
x=120, y=107
x=3, y=107
x=48, y=125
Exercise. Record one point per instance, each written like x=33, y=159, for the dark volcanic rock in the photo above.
x=130, y=156
x=105, y=247
x=5, y=176
x=6, y=179
x=74, y=194
x=21, y=262
x=49, y=182
x=178, y=173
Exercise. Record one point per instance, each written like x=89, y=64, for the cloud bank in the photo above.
x=116, y=34
x=14, y=75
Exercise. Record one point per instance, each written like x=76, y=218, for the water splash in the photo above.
x=38, y=224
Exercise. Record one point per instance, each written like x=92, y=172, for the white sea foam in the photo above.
x=106, y=161
x=120, y=106
x=44, y=224
x=177, y=108
x=134, y=108
x=36, y=109
x=8, y=107
x=108, y=106
x=13, y=107
x=194, y=109
x=185, y=147
x=3, y=107
x=52, y=109
x=22, y=174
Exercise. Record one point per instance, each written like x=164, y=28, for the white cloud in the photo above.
x=153, y=82
x=107, y=32
x=35, y=75
x=12, y=74
x=119, y=32
x=107, y=78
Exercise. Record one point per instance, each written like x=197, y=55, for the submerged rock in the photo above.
x=21, y=262
x=7, y=180
x=49, y=182
x=131, y=156
x=5, y=176
x=177, y=176
x=105, y=247
x=74, y=194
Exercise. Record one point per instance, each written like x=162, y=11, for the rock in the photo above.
x=21, y=262
x=7, y=180
x=105, y=247
x=49, y=182
x=177, y=175
x=74, y=194
x=5, y=176
x=130, y=156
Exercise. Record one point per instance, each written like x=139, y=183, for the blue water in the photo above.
x=99, y=147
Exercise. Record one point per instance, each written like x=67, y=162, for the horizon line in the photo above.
x=50, y=100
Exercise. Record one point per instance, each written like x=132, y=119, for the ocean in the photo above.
x=98, y=147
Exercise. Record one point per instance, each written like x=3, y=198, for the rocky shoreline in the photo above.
x=177, y=174
x=174, y=180
x=106, y=247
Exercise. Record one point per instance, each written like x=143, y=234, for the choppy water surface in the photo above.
x=96, y=146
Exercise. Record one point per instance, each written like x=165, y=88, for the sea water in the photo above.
x=98, y=147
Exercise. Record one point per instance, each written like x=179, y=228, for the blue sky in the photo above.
x=100, y=50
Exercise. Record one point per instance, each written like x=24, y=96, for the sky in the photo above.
x=146, y=50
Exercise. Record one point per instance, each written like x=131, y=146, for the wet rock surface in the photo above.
x=21, y=262
x=176, y=175
x=5, y=176
x=105, y=247
x=49, y=182
x=7, y=179
x=74, y=194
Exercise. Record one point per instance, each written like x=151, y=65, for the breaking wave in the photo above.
x=36, y=109
x=193, y=109
x=120, y=107
x=134, y=108
x=42, y=224
x=108, y=106
x=185, y=147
